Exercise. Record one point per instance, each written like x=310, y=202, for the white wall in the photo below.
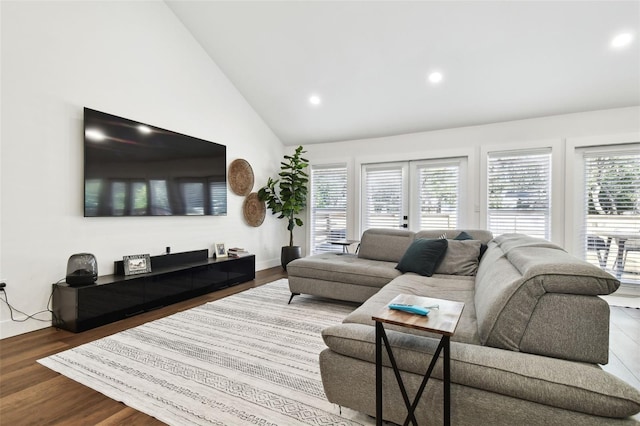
x=135, y=59
x=474, y=142
x=132, y=59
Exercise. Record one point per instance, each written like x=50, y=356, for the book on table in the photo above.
x=237, y=252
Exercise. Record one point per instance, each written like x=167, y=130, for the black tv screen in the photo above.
x=134, y=169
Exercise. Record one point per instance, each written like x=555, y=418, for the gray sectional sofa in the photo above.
x=526, y=350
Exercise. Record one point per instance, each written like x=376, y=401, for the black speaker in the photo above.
x=82, y=269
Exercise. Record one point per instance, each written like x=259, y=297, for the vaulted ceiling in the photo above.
x=369, y=62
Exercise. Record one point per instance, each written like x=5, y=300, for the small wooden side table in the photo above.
x=442, y=320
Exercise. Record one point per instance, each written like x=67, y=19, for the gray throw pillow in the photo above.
x=423, y=256
x=461, y=258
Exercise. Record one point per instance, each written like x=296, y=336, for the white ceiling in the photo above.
x=368, y=61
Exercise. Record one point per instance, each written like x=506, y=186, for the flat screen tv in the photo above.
x=135, y=169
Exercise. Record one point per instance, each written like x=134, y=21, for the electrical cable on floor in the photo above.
x=27, y=316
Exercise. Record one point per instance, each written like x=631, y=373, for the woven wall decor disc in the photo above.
x=240, y=177
x=254, y=210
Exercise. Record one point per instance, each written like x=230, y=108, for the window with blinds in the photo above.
x=139, y=198
x=328, y=207
x=218, y=198
x=519, y=192
x=118, y=198
x=192, y=194
x=611, y=226
x=159, y=196
x=438, y=188
x=128, y=198
x=384, y=196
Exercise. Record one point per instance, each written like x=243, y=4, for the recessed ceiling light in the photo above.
x=621, y=40
x=315, y=100
x=144, y=129
x=435, y=77
x=94, y=135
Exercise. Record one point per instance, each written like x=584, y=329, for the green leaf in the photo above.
x=287, y=195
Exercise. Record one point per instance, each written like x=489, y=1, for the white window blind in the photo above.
x=159, y=196
x=328, y=207
x=92, y=192
x=438, y=194
x=383, y=199
x=519, y=192
x=611, y=226
x=118, y=198
x=218, y=198
x=139, y=198
x=192, y=197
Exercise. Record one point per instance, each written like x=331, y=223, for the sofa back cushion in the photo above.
x=461, y=258
x=514, y=275
x=481, y=235
x=384, y=244
x=423, y=256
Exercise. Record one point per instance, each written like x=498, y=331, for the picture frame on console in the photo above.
x=136, y=264
x=221, y=250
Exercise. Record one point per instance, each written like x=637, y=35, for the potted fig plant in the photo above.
x=286, y=196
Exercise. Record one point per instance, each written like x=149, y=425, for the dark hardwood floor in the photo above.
x=31, y=394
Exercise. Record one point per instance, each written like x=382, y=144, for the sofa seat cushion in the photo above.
x=348, y=269
x=456, y=288
x=569, y=385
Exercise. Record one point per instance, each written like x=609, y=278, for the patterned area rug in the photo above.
x=246, y=359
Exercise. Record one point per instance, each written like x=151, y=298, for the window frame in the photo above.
x=403, y=167
x=557, y=184
x=310, y=228
x=520, y=157
x=414, y=187
x=573, y=206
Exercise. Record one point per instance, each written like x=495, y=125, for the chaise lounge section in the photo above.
x=527, y=347
x=355, y=278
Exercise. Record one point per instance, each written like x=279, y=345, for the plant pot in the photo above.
x=288, y=254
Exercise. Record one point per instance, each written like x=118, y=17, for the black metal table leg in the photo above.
x=423, y=385
x=379, y=332
x=447, y=381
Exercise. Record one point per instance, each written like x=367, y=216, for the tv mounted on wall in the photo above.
x=134, y=169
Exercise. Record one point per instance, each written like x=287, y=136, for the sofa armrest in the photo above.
x=569, y=326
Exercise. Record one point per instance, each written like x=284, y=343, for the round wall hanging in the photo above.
x=240, y=177
x=254, y=210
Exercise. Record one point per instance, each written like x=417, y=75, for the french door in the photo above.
x=610, y=199
x=416, y=195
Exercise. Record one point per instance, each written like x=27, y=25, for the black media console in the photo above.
x=173, y=277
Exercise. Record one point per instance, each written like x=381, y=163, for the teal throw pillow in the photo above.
x=463, y=236
x=483, y=248
x=423, y=256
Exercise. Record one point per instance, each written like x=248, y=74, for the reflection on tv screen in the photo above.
x=134, y=169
